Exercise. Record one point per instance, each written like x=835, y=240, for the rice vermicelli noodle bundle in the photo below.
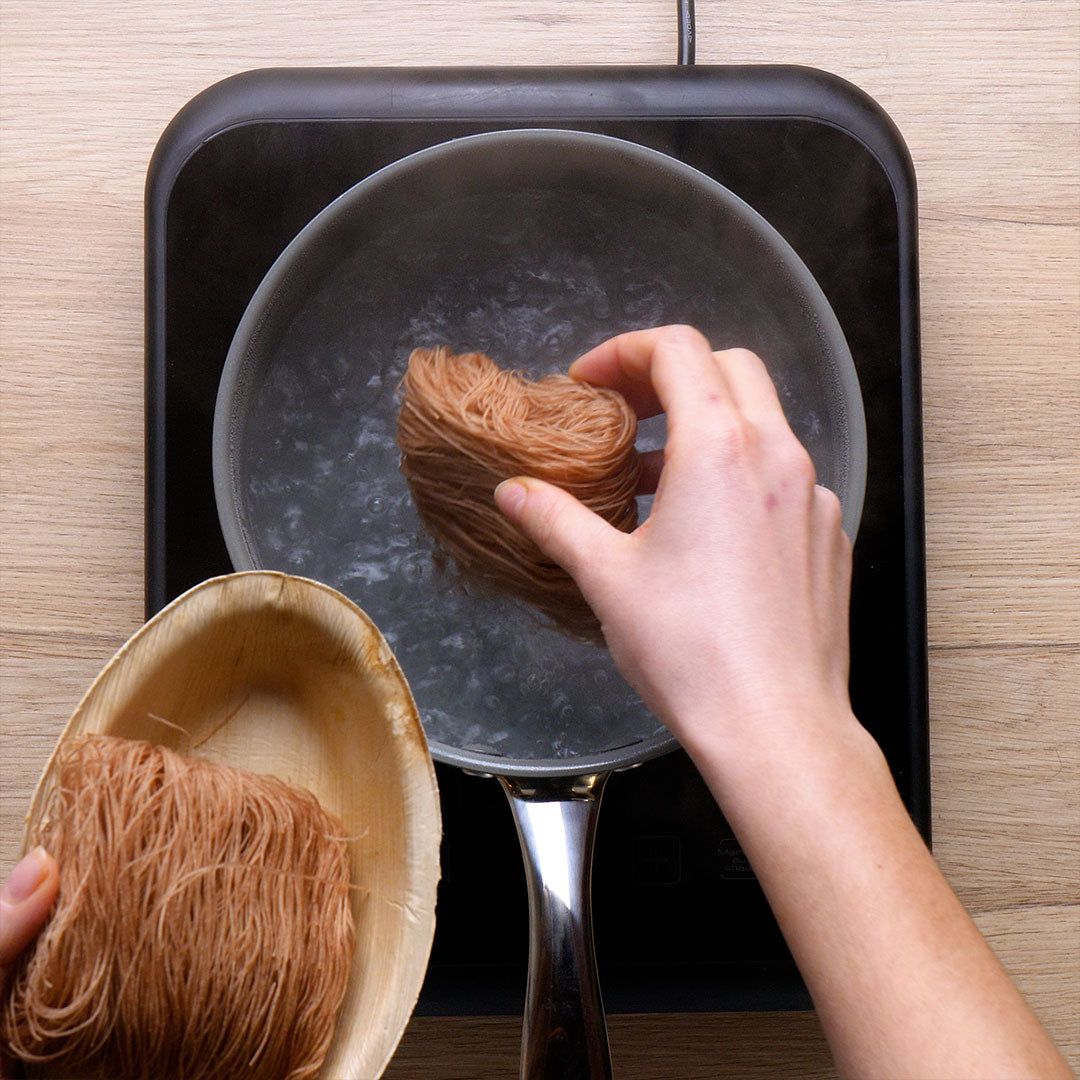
x=465, y=425
x=203, y=928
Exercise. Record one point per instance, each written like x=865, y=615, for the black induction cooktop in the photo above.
x=681, y=923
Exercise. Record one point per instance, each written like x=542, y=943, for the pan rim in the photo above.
x=229, y=505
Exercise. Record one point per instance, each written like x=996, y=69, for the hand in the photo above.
x=727, y=609
x=25, y=899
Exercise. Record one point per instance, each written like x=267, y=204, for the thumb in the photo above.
x=25, y=899
x=563, y=528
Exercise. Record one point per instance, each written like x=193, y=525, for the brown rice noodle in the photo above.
x=203, y=926
x=465, y=425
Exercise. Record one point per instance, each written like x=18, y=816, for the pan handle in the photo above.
x=564, y=1034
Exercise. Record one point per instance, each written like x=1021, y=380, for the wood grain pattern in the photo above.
x=737, y=1046
x=987, y=95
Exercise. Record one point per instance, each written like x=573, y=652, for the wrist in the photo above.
x=771, y=761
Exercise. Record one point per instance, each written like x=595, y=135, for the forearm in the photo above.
x=903, y=981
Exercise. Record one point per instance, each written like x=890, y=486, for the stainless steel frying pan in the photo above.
x=531, y=246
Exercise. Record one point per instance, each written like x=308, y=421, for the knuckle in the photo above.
x=741, y=356
x=681, y=335
x=729, y=442
x=796, y=463
x=828, y=507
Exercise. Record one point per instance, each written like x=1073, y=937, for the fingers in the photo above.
x=621, y=364
x=563, y=528
x=25, y=899
x=668, y=369
x=673, y=369
x=752, y=388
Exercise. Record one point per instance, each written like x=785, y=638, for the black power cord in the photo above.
x=687, y=31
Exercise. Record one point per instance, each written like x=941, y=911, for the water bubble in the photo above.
x=504, y=674
x=414, y=569
x=555, y=342
x=534, y=682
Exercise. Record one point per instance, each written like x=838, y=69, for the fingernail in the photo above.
x=510, y=497
x=28, y=874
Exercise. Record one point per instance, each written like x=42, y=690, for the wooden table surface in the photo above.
x=987, y=95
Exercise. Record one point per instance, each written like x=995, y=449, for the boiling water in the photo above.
x=532, y=279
